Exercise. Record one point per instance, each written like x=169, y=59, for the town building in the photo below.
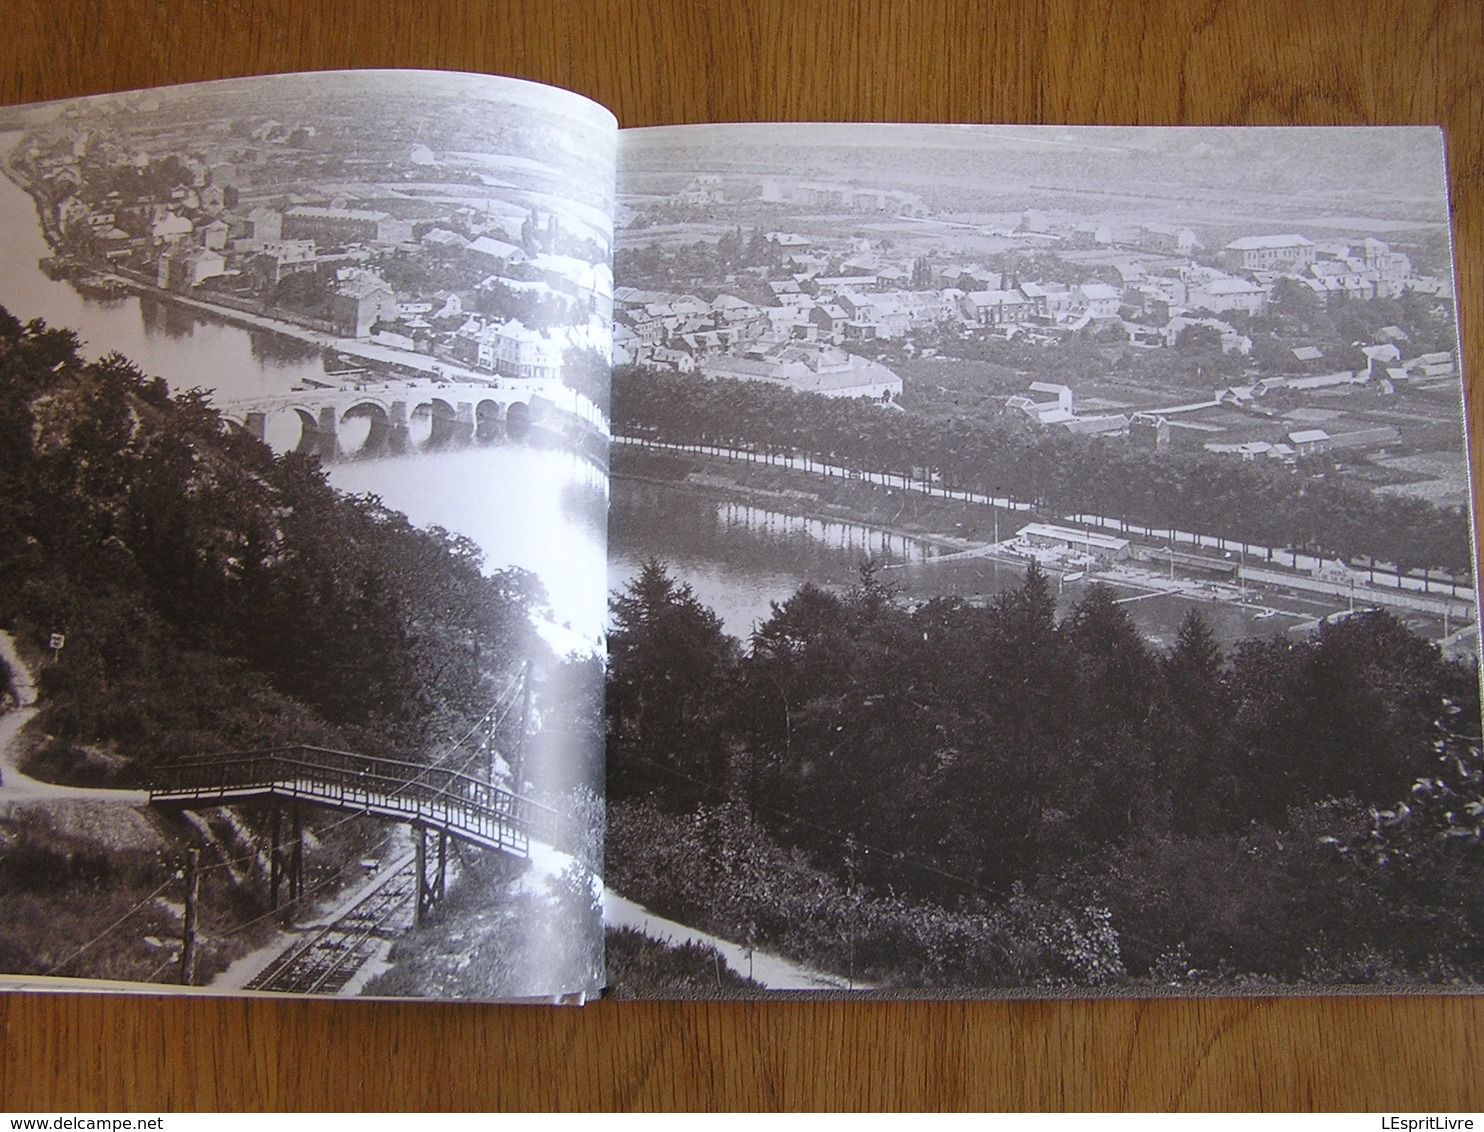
x=1049, y=536
x=1309, y=442
x=1265, y=253
x=1224, y=293
x=183, y=266
x=811, y=368
x=340, y=226
x=278, y=258
x=359, y=301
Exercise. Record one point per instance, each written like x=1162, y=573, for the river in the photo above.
x=526, y=506
x=741, y=558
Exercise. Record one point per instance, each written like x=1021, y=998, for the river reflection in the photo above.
x=740, y=558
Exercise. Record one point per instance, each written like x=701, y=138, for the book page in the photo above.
x=305, y=481
x=1042, y=565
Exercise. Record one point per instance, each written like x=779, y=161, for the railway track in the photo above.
x=326, y=961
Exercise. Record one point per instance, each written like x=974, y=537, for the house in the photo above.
x=678, y=360
x=1309, y=441
x=1379, y=437
x=1325, y=380
x=359, y=301
x=1169, y=239
x=1241, y=396
x=1224, y=293
x=730, y=309
x=170, y=226
x=1099, y=299
x=829, y=320
x=1331, y=277
x=1260, y=253
x=341, y=226
x=183, y=266
x=213, y=199
x=1381, y=357
x=703, y=189
x=278, y=258
x=995, y=308
x=264, y=224
x=498, y=250
x=1058, y=411
x=214, y=235
x=525, y=353
x=1389, y=269
x=1231, y=341
x=1430, y=365
x=1108, y=424
x=444, y=238
x=1248, y=450
x=1150, y=431
x=808, y=368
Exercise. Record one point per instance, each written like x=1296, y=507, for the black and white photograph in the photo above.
x=1041, y=564
x=1037, y=561
x=303, y=391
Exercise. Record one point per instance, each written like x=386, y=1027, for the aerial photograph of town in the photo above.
x=302, y=564
x=1041, y=563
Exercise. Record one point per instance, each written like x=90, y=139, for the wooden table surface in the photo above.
x=1076, y=61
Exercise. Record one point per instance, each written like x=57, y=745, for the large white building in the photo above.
x=807, y=368
x=1262, y=253
x=513, y=350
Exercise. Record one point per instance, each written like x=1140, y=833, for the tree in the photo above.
x=1197, y=713
x=670, y=669
x=1198, y=339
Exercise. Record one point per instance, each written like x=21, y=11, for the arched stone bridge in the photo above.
x=391, y=416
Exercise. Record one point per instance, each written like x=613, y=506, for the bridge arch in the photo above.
x=489, y=420
x=367, y=429
x=435, y=423
x=518, y=419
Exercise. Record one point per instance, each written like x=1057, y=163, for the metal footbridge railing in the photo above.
x=436, y=798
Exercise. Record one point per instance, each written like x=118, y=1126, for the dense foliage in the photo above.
x=1055, y=472
x=985, y=795
x=213, y=595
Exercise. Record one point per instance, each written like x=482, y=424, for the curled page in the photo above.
x=301, y=584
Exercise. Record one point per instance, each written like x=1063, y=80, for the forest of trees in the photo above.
x=984, y=796
x=213, y=596
x=1056, y=473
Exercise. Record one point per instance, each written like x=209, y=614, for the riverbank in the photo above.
x=243, y=314
x=922, y=518
x=954, y=533
x=925, y=523
x=423, y=365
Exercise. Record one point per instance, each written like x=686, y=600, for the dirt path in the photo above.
x=770, y=971
x=17, y=786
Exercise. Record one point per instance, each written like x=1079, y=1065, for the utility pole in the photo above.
x=518, y=767
x=275, y=860
x=188, y=940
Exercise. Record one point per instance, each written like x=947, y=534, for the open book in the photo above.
x=451, y=547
